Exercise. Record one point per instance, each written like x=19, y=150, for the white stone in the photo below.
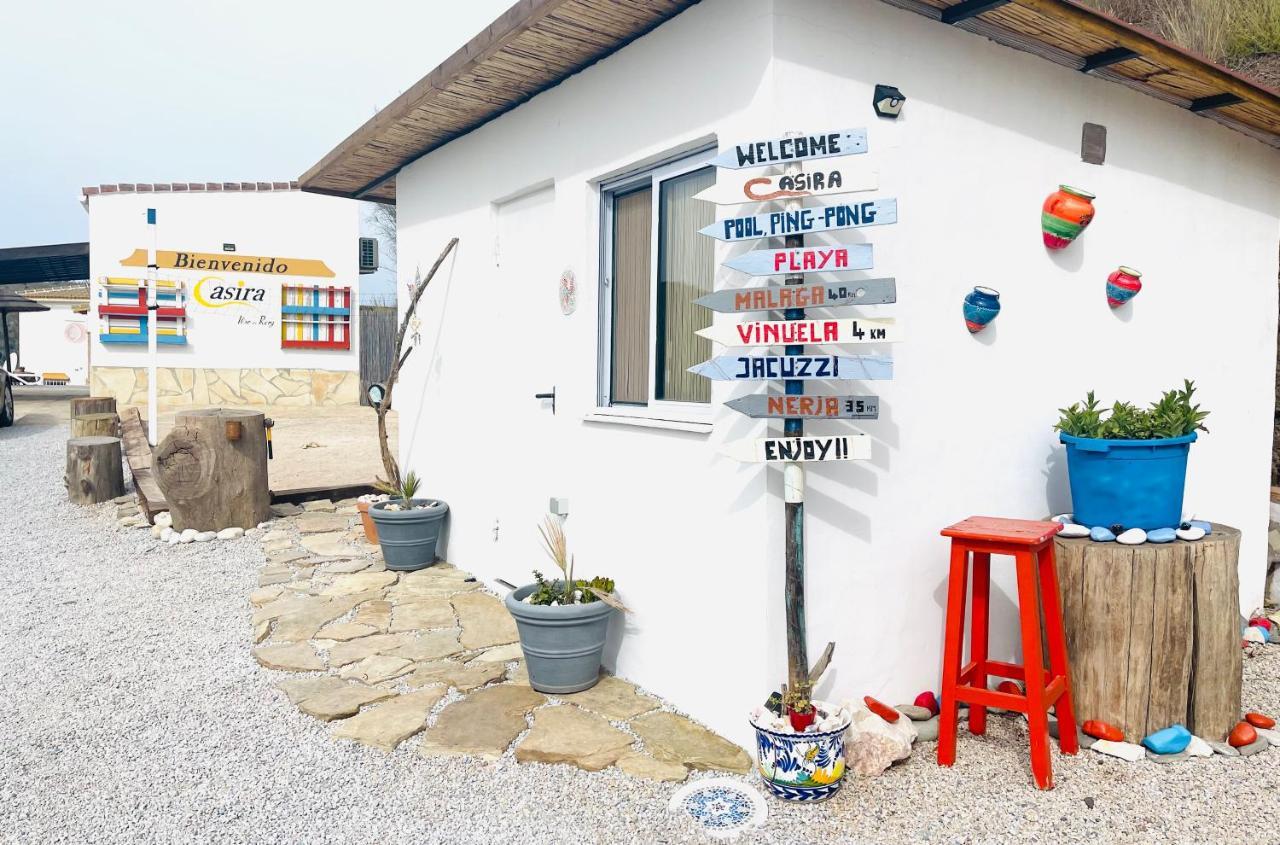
x=206, y=536
x=1199, y=748
x=1271, y=735
x=157, y=531
x=872, y=744
x=264, y=524
x=1123, y=750
x=174, y=538
x=1071, y=529
x=164, y=518
x=166, y=533
x=1063, y=518
x=230, y=533
x=1192, y=533
x=1132, y=537
x=1253, y=634
x=188, y=535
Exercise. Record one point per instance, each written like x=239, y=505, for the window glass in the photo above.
x=686, y=270
x=631, y=281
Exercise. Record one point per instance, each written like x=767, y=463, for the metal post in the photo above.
x=153, y=331
x=793, y=496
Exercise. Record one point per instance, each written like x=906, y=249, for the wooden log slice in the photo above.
x=106, y=424
x=95, y=470
x=81, y=405
x=210, y=482
x=1153, y=632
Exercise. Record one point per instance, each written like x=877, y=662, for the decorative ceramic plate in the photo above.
x=722, y=807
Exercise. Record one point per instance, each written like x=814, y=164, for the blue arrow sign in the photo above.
x=760, y=367
x=806, y=259
x=801, y=221
x=841, y=142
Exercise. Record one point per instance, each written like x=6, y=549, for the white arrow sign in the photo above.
x=780, y=332
x=844, y=447
x=760, y=367
x=743, y=186
x=822, y=295
x=841, y=142
x=807, y=259
x=801, y=221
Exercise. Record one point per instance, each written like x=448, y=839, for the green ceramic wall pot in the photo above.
x=562, y=645
x=410, y=538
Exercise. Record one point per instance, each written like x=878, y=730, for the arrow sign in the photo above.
x=808, y=259
x=823, y=218
x=759, y=367
x=792, y=332
x=746, y=186
x=775, y=297
x=820, y=407
x=768, y=450
x=841, y=142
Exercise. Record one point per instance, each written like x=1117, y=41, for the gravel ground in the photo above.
x=134, y=712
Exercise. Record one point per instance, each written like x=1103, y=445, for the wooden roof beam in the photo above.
x=1114, y=56
x=1214, y=101
x=969, y=9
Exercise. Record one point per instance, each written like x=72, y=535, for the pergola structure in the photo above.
x=26, y=265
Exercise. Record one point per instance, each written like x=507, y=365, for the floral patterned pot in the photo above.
x=803, y=766
x=1065, y=215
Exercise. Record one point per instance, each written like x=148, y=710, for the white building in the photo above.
x=55, y=343
x=588, y=163
x=261, y=294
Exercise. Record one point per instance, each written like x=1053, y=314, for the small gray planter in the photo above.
x=562, y=645
x=409, y=539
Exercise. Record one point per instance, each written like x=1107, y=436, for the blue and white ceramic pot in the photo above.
x=980, y=308
x=801, y=766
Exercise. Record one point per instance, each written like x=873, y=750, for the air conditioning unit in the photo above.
x=368, y=255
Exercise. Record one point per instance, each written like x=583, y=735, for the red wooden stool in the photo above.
x=1031, y=545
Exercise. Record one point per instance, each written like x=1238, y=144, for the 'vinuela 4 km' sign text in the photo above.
x=790, y=332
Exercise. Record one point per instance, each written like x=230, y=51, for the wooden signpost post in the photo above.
x=774, y=332
x=814, y=259
x=769, y=450
x=809, y=406
x=826, y=179
x=823, y=295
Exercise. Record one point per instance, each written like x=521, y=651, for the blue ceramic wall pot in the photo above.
x=980, y=308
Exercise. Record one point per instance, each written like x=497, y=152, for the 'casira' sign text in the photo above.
x=745, y=186
x=761, y=367
x=268, y=265
x=788, y=332
x=825, y=218
x=777, y=297
x=767, y=450
x=841, y=142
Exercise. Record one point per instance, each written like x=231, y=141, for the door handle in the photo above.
x=551, y=396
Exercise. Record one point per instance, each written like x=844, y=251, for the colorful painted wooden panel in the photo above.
x=808, y=259
x=845, y=447
x=123, y=317
x=315, y=317
x=761, y=367
x=746, y=186
x=841, y=142
x=791, y=332
x=801, y=221
x=807, y=406
x=776, y=298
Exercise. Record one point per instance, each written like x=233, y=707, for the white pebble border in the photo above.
x=134, y=712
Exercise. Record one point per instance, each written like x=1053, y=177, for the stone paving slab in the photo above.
x=376, y=669
x=454, y=674
x=343, y=702
x=675, y=739
x=390, y=723
x=484, y=620
x=483, y=724
x=428, y=613
x=614, y=699
x=566, y=734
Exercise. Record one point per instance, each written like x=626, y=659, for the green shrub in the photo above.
x=1172, y=416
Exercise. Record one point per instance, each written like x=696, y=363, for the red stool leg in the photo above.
x=1068, y=742
x=952, y=651
x=978, y=622
x=1033, y=663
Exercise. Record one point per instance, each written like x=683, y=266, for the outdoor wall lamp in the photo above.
x=888, y=101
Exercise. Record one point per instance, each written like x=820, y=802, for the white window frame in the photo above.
x=655, y=409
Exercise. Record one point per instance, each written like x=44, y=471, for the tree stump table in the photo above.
x=1153, y=632
x=212, y=469
x=95, y=425
x=95, y=470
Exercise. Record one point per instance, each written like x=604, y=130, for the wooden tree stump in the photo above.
x=1153, y=633
x=82, y=405
x=95, y=425
x=209, y=481
x=95, y=470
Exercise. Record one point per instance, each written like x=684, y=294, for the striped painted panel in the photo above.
x=315, y=317
x=122, y=311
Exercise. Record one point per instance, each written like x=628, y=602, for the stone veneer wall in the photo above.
x=182, y=386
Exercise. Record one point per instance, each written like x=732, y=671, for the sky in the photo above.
x=180, y=91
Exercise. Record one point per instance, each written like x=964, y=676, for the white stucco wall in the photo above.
x=288, y=224
x=46, y=346
x=695, y=539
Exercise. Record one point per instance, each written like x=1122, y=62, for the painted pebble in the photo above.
x=1258, y=720
x=1242, y=734
x=882, y=710
x=1123, y=750
x=1064, y=518
x=1261, y=622
x=1133, y=537
x=1190, y=534
x=1172, y=740
x=1072, y=529
x=1255, y=635
x=1101, y=535
x=928, y=700
x=1203, y=525
x=1101, y=730
x=1162, y=535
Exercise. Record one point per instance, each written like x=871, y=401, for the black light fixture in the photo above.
x=888, y=101
x=375, y=393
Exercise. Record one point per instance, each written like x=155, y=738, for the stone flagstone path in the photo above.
x=390, y=655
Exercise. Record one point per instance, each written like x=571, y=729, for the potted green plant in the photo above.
x=562, y=623
x=1127, y=466
x=409, y=528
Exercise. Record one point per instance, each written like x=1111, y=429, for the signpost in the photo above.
x=774, y=332
x=797, y=367
x=769, y=450
x=745, y=186
x=775, y=297
x=812, y=259
x=790, y=149
x=801, y=221
x=809, y=406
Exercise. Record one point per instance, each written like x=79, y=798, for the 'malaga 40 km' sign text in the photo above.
x=778, y=297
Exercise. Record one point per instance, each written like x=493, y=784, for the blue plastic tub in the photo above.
x=1134, y=483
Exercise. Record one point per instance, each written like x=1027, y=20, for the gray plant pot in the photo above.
x=409, y=539
x=562, y=645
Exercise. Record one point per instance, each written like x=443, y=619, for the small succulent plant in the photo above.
x=1173, y=416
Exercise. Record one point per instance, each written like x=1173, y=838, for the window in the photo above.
x=655, y=264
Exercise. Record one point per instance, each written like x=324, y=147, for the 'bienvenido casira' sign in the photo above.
x=841, y=142
x=801, y=221
x=762, y=367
